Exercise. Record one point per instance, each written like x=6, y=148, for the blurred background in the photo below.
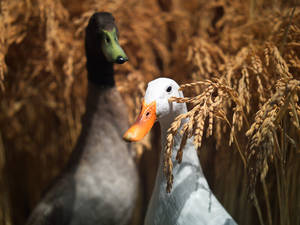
x=43, y=86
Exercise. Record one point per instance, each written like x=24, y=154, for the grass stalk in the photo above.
x=286, y=31
x=252, y=9
x=224, y=117
x=266, y=194
x=279, y=194
x=258, y=210
x=280, y=177
x=240, y=151
x=283, y=173
x=4, y=199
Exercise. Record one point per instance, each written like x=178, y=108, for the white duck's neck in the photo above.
x=186, y=176
x=189, y=159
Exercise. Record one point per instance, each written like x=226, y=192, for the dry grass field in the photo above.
x=239, y=66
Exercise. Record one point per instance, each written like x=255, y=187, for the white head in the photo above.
x=159, y=91
x=156, y=106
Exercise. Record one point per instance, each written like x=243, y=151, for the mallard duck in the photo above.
x=99, y=185
x=190, y=201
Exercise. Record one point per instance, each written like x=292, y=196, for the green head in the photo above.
x=111, y=48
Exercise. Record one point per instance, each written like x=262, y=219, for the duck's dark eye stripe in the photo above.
x=169, y=89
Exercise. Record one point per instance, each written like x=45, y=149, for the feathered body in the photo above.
x=190, y=201
x=99, y=184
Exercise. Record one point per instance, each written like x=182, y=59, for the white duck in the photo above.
x=190, y=201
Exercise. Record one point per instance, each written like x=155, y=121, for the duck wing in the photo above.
x=191, y=202
x=53, y=209
x=202, y=207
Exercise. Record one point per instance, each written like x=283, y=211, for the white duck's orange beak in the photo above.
x=143, y=123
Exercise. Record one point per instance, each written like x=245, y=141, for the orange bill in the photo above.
x=143, y=123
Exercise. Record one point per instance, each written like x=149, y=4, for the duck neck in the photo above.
x=101, y=89
x=189, y=158
x=100, y=71
x=90, y=125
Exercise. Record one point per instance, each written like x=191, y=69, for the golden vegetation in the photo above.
x=254, y=79
x=240, y=61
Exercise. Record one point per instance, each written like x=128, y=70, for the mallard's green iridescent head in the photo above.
x=111, y=48
x=101, y=41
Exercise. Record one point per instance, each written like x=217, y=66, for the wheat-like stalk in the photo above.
x=43, y=87
x=267, y=122
x=215, y=98
x=207, y=105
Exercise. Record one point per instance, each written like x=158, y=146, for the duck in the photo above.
x=100, y=182
x=190, y=201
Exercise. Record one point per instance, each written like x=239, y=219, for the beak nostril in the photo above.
x=143, y=123
x=121, y=60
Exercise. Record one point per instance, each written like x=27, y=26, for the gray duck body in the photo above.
x=100, y=183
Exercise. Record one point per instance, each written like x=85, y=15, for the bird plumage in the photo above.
x=99, y=184
x=190, y=202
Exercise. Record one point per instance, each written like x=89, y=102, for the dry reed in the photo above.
x=231, y=98
x=251, y=51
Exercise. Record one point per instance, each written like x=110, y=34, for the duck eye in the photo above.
x=169, y=89
x=107, y=39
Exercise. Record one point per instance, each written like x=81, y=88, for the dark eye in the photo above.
x=107, y=39
x=169, y=89
x=148, y=113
